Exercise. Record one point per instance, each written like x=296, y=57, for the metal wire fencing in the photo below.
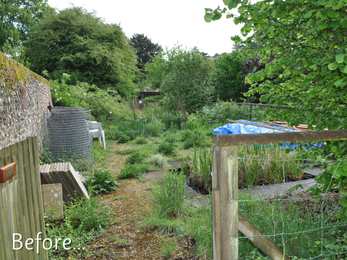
x=299, y=224
x=67, y=137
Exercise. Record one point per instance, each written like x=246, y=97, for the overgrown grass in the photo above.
x=133, y=171
x=302, y=222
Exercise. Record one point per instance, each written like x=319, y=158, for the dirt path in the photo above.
x=131, y=202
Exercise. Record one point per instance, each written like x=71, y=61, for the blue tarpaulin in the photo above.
x=235, y=128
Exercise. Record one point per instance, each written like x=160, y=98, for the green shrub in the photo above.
x=135, y=158
x=170, y=139
x=158, y=160
x=123, y=138
x=88, y=214
x=172, y=120
x=195, y=139
x=165, y=148
x=140, y=140
x=131, y=134
x=169, y=195
x=102, y=182
x=132, y=171
x=154, y=128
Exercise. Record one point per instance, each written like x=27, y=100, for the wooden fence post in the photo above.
x=225, y=214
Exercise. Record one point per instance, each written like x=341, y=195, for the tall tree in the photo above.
x=145, y=49
x=227, y=78
x=17, y=18
x=76, y=42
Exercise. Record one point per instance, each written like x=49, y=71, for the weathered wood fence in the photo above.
x=21, y=206
x=227, y=221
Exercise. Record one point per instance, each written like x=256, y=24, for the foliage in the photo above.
x=309, y=41
x=227, y=78
x=193, y=138
x=80, y=44
x=145, y=49
x=123, y=138
x=18, y=17
x=171, y=139
x=102, y=182
x=132, y=171
x=166, y=148
x=100, y=102
x=170, y=193
x=154, y=128
x=140, y=140
x=188, y=85
x=172, y=119
x=84, y=219
x=158, y=160
x=135, y=158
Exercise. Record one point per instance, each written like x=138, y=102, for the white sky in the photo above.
x=164, y=22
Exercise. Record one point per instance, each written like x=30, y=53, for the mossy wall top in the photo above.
x=24, y=98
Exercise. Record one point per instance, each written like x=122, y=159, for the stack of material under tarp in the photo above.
x=65, y=174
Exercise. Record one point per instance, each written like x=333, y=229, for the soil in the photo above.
x=126, y=239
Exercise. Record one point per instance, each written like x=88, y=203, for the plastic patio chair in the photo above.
x=96, y=131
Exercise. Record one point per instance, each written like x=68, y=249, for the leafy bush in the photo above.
x=135, y=158
x=172, y=120
x=140, y=140
x=165, y=148
x=123, y=138
x=101, y=103
x=131, y=134
x=169, y=195
x=170, y=139
x=124, y=152
x=154, y=128
x=132, y=171
x=195, y=139
x=158, y=160
x=102, y=182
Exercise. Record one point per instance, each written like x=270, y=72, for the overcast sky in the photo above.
x=164, y=22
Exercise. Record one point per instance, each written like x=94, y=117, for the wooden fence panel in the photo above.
x=21, y=206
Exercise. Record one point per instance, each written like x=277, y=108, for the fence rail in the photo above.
x=21, y=206
x=227, y=221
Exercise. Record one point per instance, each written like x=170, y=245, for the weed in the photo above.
x=119, y=197
x=135, y=158
x=123, y=138
x=158, y=160
x=154, y=128
x=132, y=171
x=165, y=148
x=140, y=140
x=102, y=182
x=170, y=193
x=171, y=139
x=168, y=248
x=159, y=221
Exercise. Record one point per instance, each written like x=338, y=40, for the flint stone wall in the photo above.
x=24, y=97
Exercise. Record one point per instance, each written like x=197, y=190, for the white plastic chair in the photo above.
x=96, y=131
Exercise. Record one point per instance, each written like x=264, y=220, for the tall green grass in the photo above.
x=202, y=166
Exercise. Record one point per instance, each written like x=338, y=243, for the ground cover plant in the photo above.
x=102, y=182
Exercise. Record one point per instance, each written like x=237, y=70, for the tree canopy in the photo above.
x=227, y=78
x=17, y=18
x=76, y=42
x=145, y=49
x=309, y=40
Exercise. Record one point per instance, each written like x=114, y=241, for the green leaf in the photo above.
x=208, y=10
x=343, y=202
x=338, y=6
x=344, y=69
x=208, y=17
x=229, y=16
x=334, y=149
x=339, y=58
x=227, y=2
x=271, y=28
x=313, y=94
x=332, y=14
x=333, y=66
x=340, y=83
x=322, y=2
x=217, y=16
x=309, y=14
x=322, y=25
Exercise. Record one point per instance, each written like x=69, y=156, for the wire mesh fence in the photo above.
x=67, y=137
x=301, y=225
